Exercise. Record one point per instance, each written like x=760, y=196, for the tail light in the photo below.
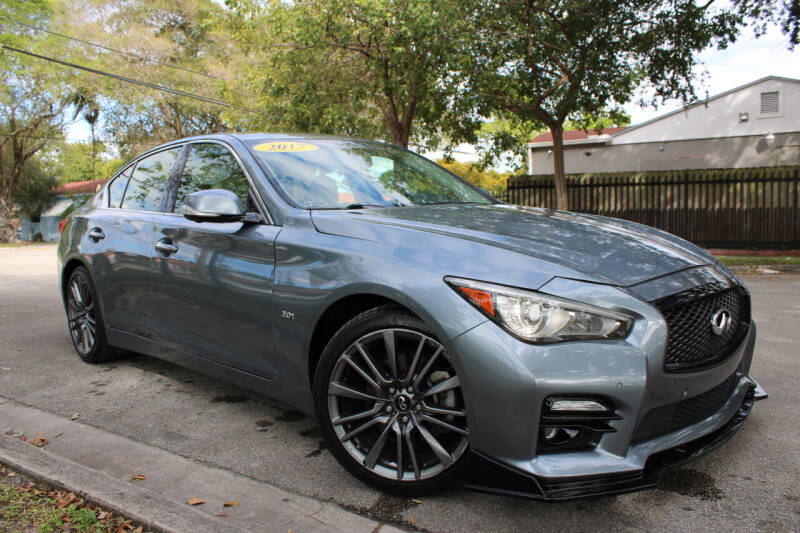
x=62, y=225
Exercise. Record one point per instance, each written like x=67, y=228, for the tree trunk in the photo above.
x=6, y=227
x=562, y=200
x=401, y=136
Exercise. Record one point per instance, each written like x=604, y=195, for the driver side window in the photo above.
x=212, y=166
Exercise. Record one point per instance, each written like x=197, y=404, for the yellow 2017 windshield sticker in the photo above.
x=284, y=146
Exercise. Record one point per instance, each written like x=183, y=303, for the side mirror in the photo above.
x=212, y=205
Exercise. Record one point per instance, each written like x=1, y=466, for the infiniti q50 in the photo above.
x=440, y=337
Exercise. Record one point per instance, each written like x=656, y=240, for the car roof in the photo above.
x=254, y=136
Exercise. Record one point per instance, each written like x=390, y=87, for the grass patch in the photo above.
x=26, y=506
x=755, y=260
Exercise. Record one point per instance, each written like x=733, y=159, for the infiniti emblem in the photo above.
x=402, y=403
x=720, y=321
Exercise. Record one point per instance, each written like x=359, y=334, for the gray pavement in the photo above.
x=750, y=484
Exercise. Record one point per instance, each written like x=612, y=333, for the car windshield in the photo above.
x=340, y=174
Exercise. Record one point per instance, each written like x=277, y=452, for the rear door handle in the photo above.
x=165, y=247
x=96, y=234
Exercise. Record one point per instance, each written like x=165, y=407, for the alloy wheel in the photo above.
x=395, y=404
x=81, y=314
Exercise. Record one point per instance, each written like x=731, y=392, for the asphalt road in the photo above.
x=751, y=483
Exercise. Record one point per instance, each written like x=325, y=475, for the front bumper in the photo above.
x=506, y=382
x=491, y=476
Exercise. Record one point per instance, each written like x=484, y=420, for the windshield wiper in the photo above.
x=362, y=206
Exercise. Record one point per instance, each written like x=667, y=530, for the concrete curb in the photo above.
x=97, y=465
x=130, y=501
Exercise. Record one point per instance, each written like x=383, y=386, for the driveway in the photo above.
x=751, y=483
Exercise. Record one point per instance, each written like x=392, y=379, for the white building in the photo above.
x=755, y=125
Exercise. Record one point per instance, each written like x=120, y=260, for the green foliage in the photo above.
x=35, y=191
x=491, y=180
x=547, y=62
x=82, y=519
x=73, y=161
x=32, y=100
x=762, y=13
x=167, y=43
x=369, y=68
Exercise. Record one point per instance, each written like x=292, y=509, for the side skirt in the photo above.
x=274, y=388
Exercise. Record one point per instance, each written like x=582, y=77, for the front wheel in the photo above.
x=86, y=326
x=390, y=405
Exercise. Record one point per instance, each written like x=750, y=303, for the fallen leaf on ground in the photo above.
x=11, y=474
x=5, y=368
x=414, y=500
x=232, y=503
x=39, y=441
x=138, y=477
x=74, y=417
x=58, y=435
x=222, y=515
x=195, y=501
x=67, y=499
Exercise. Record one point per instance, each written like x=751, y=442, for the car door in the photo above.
x=122, y=233
x=213, y=280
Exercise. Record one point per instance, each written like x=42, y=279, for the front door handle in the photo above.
x=96, y=234
x=166, y=247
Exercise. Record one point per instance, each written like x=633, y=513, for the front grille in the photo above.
x=691, y=343
x=675, y=416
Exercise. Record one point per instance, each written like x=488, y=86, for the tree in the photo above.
x=75, y=161
x=344, y=66
x=783, y=13
x=156, y=41
x=553, y=61
x=490, y=180
x=35, y=192
x=32, y=103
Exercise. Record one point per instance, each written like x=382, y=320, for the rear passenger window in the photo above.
x=149, y=181
x=212, y=166
x=117, y=187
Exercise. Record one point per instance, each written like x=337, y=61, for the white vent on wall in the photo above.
x=770, y=103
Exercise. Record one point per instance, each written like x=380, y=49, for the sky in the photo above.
x=746, y=60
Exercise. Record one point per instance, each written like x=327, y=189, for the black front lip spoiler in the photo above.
x=489, y=475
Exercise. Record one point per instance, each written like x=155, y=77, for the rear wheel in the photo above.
x=390, y=405
x=86, y=326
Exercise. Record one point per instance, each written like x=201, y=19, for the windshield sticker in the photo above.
x=285, y=147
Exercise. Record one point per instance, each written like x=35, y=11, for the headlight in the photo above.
x=541, y=318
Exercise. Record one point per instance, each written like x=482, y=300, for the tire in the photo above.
x=84, y=319
x=372, y=413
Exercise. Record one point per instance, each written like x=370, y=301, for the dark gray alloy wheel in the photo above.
x=85, y=322
x=389, y=400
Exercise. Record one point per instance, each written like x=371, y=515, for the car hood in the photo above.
x=604, y=249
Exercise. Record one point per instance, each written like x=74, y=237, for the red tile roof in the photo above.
x=78, y=187
x=574, y=135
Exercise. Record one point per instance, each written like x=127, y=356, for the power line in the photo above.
x=103, y=47
x=126, y=79
x=104, y=141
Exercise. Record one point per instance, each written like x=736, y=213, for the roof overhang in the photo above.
x=591, y=139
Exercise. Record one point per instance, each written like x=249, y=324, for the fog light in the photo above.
x=586, y=406
x=574, y=423
x=559, y=435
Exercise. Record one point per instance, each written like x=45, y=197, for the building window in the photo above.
x=770, y=103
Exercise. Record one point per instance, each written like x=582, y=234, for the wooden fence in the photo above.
x=727, y=208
